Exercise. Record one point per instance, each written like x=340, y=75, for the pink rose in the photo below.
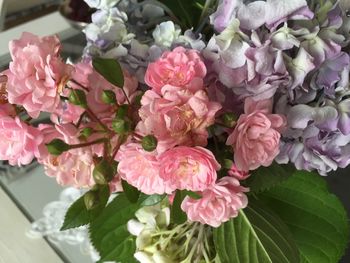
x=141, y=169
x=179, y=67
x=219, y=203
x=37, y=74
x=18, y=141
x=238, y=174
x=178, y=117
x=74, y=167
x=256, y=137
x=190, y=168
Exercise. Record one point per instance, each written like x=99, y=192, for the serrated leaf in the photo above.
x=256, y=235
x=78, y=215
x=152, y=199
x=264, y=178
x=110, y=69
x=131, y=192
x=315, y=217
x=109, y=234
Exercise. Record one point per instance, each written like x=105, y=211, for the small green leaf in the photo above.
x=87, y=131
x=152, y=200
x=57, y=147
x=121, y=126
x=316, y=218
x=131, y=192
x=109, y=234
x=229, y=119
x=256, y=235
x=192, y=194
x=110, y=69
x=78, y=214
x=176, y=214
x=265, y=178
x=122, y=111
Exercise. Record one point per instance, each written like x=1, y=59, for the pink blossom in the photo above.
x=178, y=117
x=141, y=169
x=256, y=137
x=37, y=75
x=74, y=167
x=18, y=141
x=219, y=203
x=238, y=174
x=179, y=67
x=190, y=168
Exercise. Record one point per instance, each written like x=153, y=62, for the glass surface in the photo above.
x=30, y=188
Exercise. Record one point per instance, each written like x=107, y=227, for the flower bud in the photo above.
x=103, y=172
x=108, y=97
x=227, y=164
x=122, y=111
x=78, y=97
x=229, y=119
x=86, y=132
x=91, y=200
x=57, y=147
x=149, y=143
x=121, y=126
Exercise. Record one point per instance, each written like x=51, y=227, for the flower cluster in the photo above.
x=175, y=116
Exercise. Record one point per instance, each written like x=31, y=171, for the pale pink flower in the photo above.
x=74, y=167
x=180, y=67
x=37, y=75
x=238, y=174
x=18, y=141
x=190, y=168
x=178, y=117
x=141, y=169
x=7, y=109
x=256, y=137
x=67, y=113
x=219, y=203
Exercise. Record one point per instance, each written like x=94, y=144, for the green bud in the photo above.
x=103, y=172
x=78, y=97
x=91, y=200
x=108, y=97
x=227, y=164
x=57, y=147
x=122, y=111
x=149, y=143
x=229, y=119
x=86, y=132
x=121, y=126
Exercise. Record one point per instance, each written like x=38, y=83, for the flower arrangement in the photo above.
x=204, y=123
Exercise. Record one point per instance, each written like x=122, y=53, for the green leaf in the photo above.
x=131, y=192
x=78, y=214
x=192, y=194
x=110, y=69
x=256, y=235
x=315, y=217
x=109, y=233
x=264, y=178
x=57, y=147
x=176, y=214
x=186, y=11
x=152, y=199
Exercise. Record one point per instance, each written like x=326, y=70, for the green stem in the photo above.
x=81, y=145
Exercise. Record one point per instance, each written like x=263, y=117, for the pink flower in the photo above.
x=238, y=174
x=141, y=169
x=190, y=168
x=18, y=141
x=219, y=203
x=179, y=67
x=178, y=117
x=37, y=74
x=74, y=167
x=256, y=137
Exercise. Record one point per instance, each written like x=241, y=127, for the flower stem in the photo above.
x=81, y=145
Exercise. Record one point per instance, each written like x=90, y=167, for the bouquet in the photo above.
x=200, y=130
